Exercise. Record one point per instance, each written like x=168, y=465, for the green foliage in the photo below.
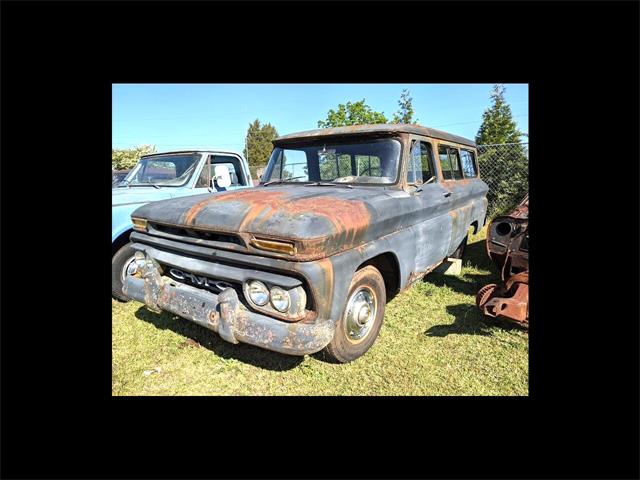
x=498, y=125
x=124, y=159
x=357, y=113
x=504, y=168
x=258, y=141
x=405, y=112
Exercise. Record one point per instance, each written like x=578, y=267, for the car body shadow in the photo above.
x=198, y=336
x=469, y=320
x=476, y=256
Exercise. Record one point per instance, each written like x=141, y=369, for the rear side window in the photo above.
x=420, y=167
x=445, y=163
x=468, y=160
x=450, y=163
x=454, y=157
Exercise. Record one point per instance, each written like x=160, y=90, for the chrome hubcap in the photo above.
x=129, y=268
x=360, y=314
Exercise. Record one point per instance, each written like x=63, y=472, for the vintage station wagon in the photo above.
x=344, y=219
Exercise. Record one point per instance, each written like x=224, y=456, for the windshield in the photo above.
x=371, y=161
x=162, y=170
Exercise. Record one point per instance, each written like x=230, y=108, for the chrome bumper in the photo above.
x=223, y=313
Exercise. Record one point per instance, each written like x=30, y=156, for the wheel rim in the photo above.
x=360, y=314
x=125, y=268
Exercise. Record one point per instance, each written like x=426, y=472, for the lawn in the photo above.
x=433, y=342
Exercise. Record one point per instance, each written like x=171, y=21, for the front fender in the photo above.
x=121, y=219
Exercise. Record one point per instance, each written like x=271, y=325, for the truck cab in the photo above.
x=161, y=176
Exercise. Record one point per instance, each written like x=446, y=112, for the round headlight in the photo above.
x=280, y=299
x=258, y=293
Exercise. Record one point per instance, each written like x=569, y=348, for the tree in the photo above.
x=124, y=159
x=498, y=125
x=405, y=112
x=258, y=142
x=505, y=168
x=357, y=113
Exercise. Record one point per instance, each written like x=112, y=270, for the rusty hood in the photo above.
x=318, y=218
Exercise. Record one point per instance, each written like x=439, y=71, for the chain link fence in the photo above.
x=505, y=169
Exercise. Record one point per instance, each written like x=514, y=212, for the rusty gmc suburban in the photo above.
x=344, y=219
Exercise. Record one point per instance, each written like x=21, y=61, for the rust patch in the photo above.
x=349, y=218
x=508, y=246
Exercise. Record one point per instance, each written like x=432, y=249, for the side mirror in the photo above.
x=221, y=176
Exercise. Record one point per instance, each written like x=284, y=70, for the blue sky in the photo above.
x=179, y=116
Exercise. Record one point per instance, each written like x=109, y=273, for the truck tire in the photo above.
x=119, y=263
x=360, y=324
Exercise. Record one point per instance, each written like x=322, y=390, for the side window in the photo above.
x=454, y=157
x=232, y=164
x=468, y=164
x=445, y=163
x=414, y=173
x=420, y=163
x=204, y=180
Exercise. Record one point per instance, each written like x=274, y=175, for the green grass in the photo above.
x=433, y=342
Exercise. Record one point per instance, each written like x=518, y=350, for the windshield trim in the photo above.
x=197, y=156
x=314, y=141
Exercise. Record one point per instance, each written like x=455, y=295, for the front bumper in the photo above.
x=224, y=313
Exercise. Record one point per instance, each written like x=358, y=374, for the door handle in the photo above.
x=447, y=194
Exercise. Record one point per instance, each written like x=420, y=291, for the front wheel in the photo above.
x=119, y=264
x=360, y=324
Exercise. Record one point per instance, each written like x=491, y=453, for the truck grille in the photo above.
x=195, y=233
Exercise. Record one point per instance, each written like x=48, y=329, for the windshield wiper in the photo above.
x=327, y=184
x=281, y=180
x=145, y=183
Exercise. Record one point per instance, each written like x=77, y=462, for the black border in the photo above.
x=58, y=418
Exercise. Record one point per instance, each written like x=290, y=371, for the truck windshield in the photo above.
x=373, y=161
x=162, y=170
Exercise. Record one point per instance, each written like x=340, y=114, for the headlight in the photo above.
x=280, y=299
x=258, y=293
x=139, y=224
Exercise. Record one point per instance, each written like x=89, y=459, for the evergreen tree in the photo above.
x=505, y=168
x=498, y=125
x=258, y=142
x=405, y=113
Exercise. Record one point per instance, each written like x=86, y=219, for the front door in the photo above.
x=434, y=228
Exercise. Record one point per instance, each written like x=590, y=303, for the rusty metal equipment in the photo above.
x=508, y=247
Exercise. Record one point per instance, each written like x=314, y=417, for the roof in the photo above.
x=380, y=129
x=190, y=151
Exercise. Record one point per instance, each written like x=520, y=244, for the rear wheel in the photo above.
x=360, y=324
x=119, y=264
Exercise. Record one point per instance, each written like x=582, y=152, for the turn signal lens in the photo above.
x=274, y=246
x=139, y=224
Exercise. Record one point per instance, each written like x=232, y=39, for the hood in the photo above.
x=318, y=218
x=133, y=195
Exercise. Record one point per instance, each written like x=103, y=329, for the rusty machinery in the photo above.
x=508, y=247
